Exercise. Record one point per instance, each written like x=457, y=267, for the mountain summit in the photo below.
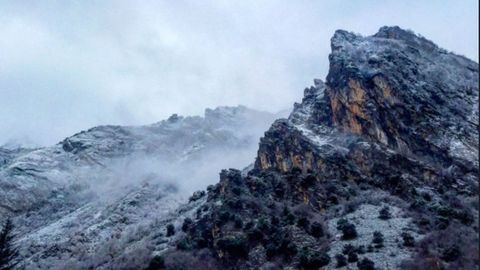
x=377, y=167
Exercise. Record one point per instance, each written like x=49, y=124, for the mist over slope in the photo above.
x=70, y=198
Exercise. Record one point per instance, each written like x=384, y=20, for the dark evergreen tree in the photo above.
x=384, y=213
x=352, y=257
x=156, y=263
x=316, y=230
x=408, y=239
x=377, y=239
x=341, y=260
x=349, y=232
x=170, y=230
x=365, y=264
x=8, y=252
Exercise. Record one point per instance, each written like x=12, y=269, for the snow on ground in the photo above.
x=366, y=222
x=460, y=150
x=317, y=139
x=110, y=190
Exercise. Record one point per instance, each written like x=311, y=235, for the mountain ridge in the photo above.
x=376, y=167
x=70, y=199
x=384, y=152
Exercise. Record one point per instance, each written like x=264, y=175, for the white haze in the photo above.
x=66, y=66
x=185, y=155
x=127, y=174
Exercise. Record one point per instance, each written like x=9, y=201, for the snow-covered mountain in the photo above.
x=88, y=198
x=376, y=168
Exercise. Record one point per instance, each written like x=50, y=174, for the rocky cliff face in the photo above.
x=91, y=201
x=400, y=91
x=376, y=166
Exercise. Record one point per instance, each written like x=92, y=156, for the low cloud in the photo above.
x=67, y=66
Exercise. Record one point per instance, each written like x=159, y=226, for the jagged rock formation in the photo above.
x=92, y=200
x=383, y=157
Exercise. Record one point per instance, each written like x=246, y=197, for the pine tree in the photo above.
x=8, y=253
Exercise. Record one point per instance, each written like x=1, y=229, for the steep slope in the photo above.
x=79, y=203
x=379, y=163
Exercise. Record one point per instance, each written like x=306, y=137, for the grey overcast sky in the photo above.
x=66, y=66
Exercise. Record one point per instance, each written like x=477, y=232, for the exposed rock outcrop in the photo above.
x=395, y=126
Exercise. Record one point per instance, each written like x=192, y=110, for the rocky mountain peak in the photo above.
x=401, y=90
x=377, y=166
x=407, y=36
x=226, y=113
x=382, y=89
x=174, y=118
x=341, y=38
x=395, y=127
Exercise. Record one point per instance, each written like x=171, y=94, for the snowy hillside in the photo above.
x=109, y=182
